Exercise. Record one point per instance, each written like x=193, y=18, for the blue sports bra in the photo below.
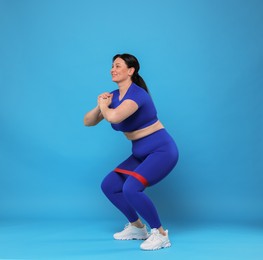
x=145, y=115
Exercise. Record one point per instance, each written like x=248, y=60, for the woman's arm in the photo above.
x=93, y=117
x=118, y=114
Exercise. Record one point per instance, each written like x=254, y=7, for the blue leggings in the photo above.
x=153, y=157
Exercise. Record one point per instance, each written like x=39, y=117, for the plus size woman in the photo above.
x=130, y=109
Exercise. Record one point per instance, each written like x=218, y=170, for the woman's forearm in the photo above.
x=120, y=113
x=108, y=113
x=93, y=117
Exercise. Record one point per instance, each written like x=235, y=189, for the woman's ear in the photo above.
x=131, y=71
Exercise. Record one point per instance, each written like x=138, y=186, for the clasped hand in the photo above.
x=105, y=99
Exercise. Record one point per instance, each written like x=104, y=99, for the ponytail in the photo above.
x=138, y=80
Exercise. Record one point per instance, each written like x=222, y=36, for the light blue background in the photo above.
x=203, y=63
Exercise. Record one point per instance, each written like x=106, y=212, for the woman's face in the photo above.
x=120, y=72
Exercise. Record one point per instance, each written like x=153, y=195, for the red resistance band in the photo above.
x=134, y=174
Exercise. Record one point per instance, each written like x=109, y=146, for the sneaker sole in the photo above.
x=166, y=245
x=130, y=238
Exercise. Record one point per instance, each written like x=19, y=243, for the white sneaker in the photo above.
x=156, y=241
x=132, y=232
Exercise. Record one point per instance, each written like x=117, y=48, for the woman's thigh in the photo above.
x=158, y=164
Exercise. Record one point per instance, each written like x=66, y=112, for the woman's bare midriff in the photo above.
x=135, y=135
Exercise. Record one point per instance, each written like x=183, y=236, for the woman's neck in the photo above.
x=123, y=87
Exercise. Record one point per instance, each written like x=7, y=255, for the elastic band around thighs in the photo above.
x=134, y=174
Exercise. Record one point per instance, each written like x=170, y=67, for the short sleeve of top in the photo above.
x=143, y=117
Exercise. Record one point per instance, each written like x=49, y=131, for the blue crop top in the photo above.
x=143, y=117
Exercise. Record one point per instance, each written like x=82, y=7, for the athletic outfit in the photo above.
x=153, y=157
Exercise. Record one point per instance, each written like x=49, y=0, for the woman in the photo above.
x=130, y=109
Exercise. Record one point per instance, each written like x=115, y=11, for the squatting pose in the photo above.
x=130, y=109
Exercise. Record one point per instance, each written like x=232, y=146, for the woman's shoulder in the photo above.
x=137, y=89
x=138, y=94
x=135, y=86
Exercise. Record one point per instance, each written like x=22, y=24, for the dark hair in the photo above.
x=132, y=62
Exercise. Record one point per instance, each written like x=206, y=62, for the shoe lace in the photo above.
x=154, y=234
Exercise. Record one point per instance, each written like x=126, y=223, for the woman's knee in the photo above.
x=112, y=183
x=105, y=186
